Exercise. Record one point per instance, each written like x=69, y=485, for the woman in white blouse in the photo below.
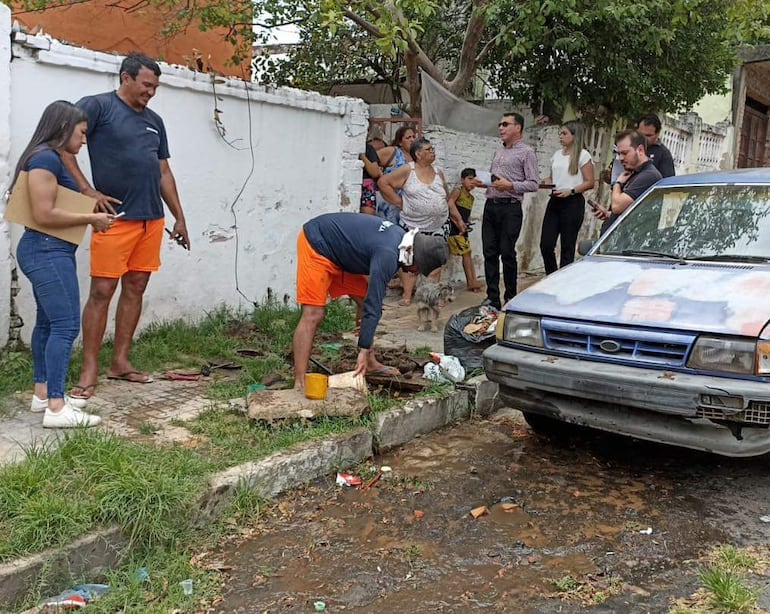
x=572, y=173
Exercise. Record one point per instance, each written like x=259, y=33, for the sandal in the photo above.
x=81, y=392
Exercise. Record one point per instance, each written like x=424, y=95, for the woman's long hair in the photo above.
x=577, y=130
x=400, y=134
x=53, y=131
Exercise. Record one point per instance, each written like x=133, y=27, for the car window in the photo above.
x=696, y=222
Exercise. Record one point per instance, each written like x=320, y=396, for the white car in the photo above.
x=662, y=331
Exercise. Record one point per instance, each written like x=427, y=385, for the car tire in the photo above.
x=543, y=425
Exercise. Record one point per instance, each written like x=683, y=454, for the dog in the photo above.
x=430, y=298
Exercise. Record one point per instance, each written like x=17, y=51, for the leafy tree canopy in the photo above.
x=607, y=58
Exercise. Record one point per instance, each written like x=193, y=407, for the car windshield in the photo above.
x=721, y=222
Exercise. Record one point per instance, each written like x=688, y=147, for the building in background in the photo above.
x=102, y=25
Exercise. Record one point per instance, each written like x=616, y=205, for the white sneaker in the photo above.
x=68, y=417
x=39, y=405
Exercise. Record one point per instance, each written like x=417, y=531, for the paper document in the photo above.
x=19, y=211
x=484, y=176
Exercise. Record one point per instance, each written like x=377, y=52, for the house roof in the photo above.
x=754, y=53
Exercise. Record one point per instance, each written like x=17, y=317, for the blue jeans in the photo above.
x=49, y=264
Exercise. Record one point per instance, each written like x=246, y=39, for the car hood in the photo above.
x=728, y=299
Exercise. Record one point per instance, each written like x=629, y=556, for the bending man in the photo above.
x=335, y=254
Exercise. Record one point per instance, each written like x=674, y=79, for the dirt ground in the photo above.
x=625, y=520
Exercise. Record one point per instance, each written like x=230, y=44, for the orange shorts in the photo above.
x=318, y=277
x=130, y=245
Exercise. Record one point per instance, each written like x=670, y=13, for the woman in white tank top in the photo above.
x=423, y=200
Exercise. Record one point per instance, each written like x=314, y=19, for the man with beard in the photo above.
x=639, y=174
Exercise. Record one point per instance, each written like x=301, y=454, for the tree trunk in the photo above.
x=413, y=84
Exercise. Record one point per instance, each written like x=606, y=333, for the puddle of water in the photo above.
x=565, y=511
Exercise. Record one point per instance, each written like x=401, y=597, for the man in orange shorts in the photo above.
x=335, y=254
x=128, y=149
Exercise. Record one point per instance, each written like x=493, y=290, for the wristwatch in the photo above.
x=572, y=191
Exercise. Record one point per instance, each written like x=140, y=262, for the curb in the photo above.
x=100, y=550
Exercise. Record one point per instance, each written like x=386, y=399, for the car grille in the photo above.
x=758, y=412
x=619, y=344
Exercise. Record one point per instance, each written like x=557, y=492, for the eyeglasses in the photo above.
x=504, y=124
x=428, y=148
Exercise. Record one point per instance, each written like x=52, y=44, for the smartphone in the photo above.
x=179, y=240
x=593, y=204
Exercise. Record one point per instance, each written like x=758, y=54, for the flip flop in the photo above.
x=83, y=394
x=130, y=376
x=385, y=372
x=183, y=376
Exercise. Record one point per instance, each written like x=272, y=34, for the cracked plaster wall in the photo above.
x=305, y=148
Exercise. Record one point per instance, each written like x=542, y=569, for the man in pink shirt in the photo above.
x=514, y=173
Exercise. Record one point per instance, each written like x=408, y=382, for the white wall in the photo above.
x=5, y=139
x=305, y=149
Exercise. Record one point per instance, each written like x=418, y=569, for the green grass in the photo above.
x=16, y=368
x=734, y=559
x=728, y=591
x=95, y=479
x=566, y=584
x=161, y=592
x=231, y=440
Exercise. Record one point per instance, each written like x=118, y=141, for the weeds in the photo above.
x=593, y=589
x=148, y=428
x=728, y=592
x=94, y=479
x=726, y=584
x=230, y=440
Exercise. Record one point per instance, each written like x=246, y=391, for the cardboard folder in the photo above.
x=19, y=210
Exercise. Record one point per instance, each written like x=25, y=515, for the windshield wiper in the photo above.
x=730, y=258
x=639, y=252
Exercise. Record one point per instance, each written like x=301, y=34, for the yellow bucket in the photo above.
x=316, y=386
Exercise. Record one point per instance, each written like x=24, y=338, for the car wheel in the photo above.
x=543, y=425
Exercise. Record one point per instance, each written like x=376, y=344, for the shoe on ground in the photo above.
x=68, y=418
x=39, y=405
x=490, y=303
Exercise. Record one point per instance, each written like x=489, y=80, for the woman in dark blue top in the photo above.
x=49, y=262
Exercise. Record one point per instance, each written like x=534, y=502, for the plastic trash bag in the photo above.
x=468, y=348
x=447, y=370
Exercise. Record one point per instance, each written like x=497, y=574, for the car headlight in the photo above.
x=522, y=329
x=724, y=354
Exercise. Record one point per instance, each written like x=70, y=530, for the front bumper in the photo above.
x=650, y=404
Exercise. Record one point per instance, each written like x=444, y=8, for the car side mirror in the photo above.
x=585, y=246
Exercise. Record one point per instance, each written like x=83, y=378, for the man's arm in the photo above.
x=388, y=185
x=381, y=270
x=620, y=200
x=170, y=196
x=531, y=182
x=103, y=202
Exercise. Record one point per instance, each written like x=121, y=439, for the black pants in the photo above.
x=563, y=218
x=500, y=230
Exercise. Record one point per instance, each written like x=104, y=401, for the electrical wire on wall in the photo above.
x=243, y=188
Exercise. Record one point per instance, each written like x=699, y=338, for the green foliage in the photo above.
x=728, y=591
x=607, y=58
x=94, y=479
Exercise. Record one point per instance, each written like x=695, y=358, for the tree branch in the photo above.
x=362, y=23
x=421, y=58
x=468, y=59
